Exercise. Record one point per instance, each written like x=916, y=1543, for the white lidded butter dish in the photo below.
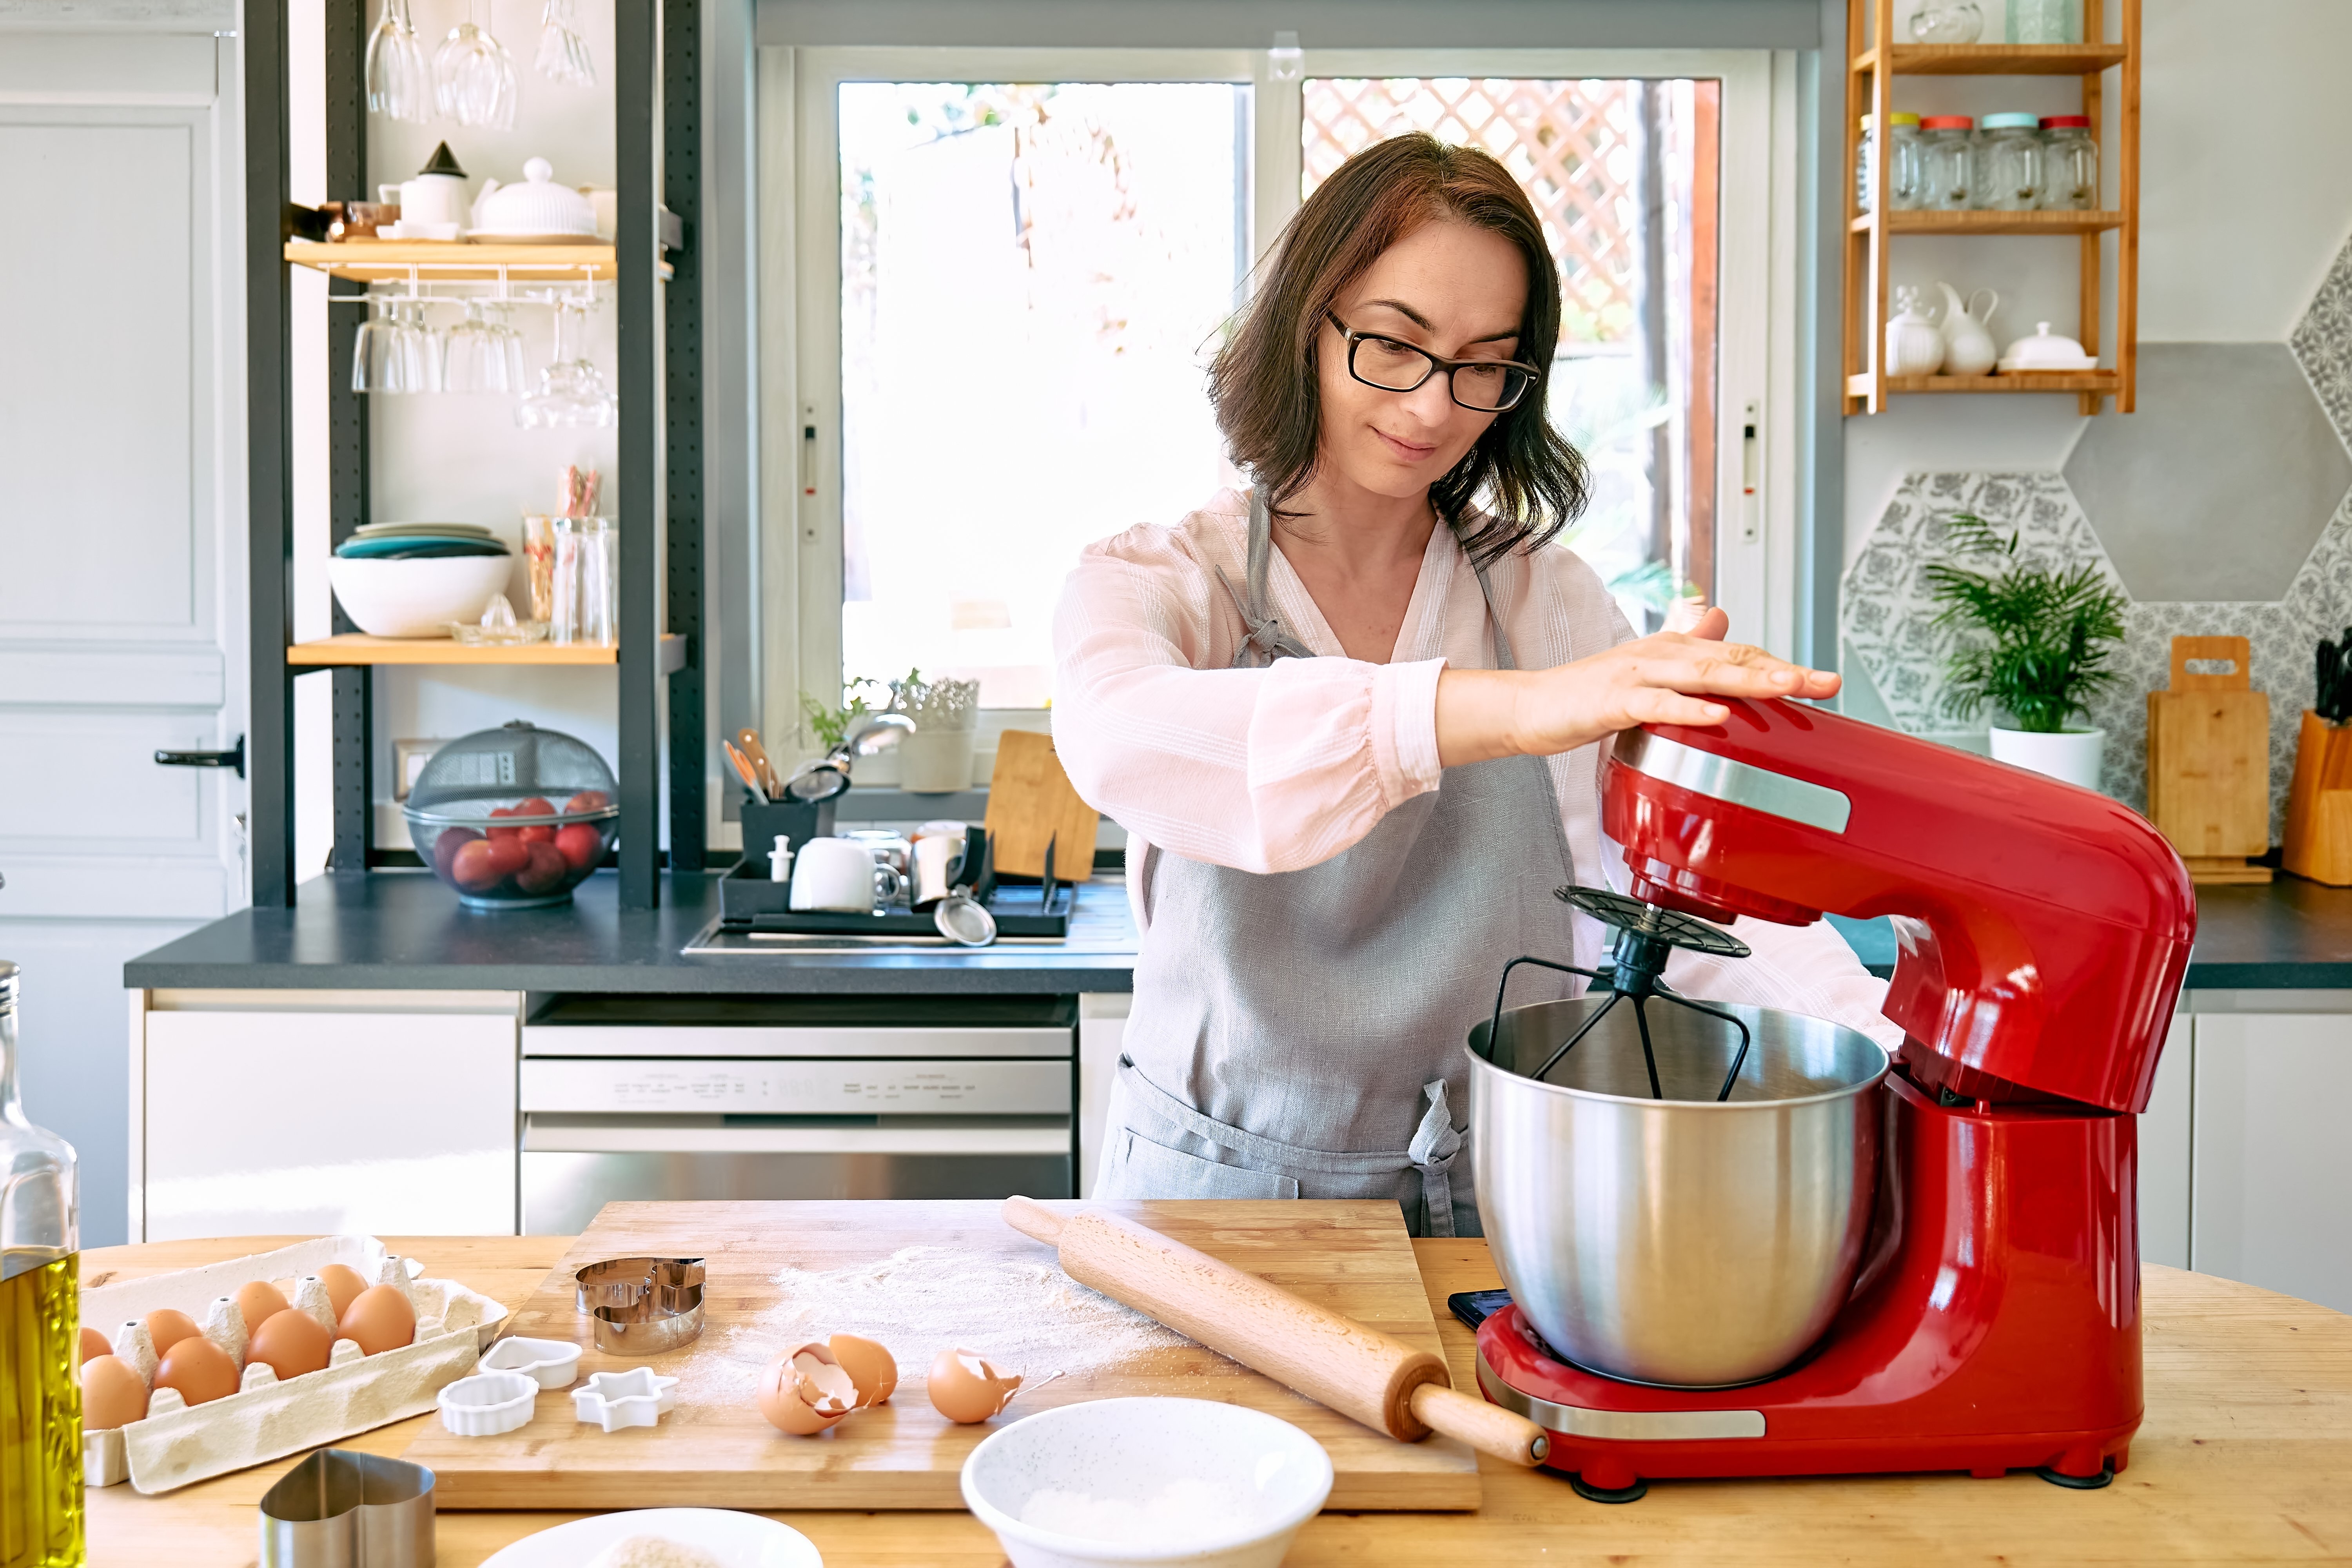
x=550, y=1363
x=538, y=208
x=2045, y=350
x=638, y=1398
x=487, y=1404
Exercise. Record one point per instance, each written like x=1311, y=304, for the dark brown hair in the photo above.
x=1529, y=482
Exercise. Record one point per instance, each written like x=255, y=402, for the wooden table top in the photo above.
x=2242, y=1457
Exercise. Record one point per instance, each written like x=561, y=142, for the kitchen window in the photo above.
x=994, y=278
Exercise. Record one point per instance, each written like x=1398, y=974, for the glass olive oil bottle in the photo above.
x=40, y=1398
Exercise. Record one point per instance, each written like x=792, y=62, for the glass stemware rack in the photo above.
x=1878, y=58
x=650, y=268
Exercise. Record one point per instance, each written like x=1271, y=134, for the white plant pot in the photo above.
x=935, y=761
x=2073, y=755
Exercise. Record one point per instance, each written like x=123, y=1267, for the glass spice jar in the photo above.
x=1903, y=166
x=2009, y=171
x=1947, y=162
x=2070, y=163
x=2045, y=22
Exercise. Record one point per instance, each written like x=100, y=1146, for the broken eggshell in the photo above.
x=869, y=1365
x=966, y=1389
x=805, y=1391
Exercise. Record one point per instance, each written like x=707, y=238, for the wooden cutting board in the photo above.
x=2209, y=762
x=1031, y=803
x=1353, y=1256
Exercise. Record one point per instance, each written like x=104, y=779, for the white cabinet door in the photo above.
x=2164, y=1150
x=307, y=1122
x=1102, y=1027
x=2273, y=1190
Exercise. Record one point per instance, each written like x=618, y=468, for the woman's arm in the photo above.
x=1660, y=679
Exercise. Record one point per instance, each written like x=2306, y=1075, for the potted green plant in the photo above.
x=936, y=758
x=2034, y=644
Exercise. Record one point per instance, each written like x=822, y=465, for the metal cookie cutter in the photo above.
x=342, y=1509
x=642, y=1306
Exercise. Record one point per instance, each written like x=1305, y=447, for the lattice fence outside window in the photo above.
x=1567, y=143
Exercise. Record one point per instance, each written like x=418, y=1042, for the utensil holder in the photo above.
x=342, y=1509
x=2318, y=840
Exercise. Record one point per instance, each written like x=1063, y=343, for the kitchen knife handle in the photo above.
x=1489, y=1428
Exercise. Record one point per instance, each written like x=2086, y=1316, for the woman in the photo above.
x=1351, y=720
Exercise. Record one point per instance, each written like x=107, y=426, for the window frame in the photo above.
x=800, y=299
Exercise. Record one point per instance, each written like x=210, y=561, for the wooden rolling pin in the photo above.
x=1383, y=1383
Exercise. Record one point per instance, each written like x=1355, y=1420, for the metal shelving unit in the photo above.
x=656, y=50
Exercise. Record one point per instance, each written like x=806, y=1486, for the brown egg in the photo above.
x=805, y=1391
x=259, y=1301
x=292, y=1343
x=112, y=1393
x=869, y=1366
x=199, y=1369
x=168, y=1328
x=94, y=1343
x=343, y=1286
x=379, y=1319
x=966, y=1389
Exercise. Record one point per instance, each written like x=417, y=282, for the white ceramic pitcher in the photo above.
x=1969, y=347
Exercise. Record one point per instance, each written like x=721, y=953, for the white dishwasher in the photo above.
x=628, y=1098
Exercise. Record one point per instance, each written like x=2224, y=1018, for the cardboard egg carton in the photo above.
x=179, y=1444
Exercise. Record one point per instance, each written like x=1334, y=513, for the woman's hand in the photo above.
x=1661, y=679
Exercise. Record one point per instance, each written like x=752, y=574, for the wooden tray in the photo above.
x=1353, y=1256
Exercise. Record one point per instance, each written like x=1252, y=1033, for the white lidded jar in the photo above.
x=1913, y=344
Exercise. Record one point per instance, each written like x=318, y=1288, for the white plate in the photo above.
x=489, y=236
x=738, y=1539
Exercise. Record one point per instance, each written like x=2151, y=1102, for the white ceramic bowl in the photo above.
x=1187, y=1482
x=416, y=598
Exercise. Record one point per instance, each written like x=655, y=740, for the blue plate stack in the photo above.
x=419, y=542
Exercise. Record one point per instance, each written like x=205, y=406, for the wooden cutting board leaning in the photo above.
x=2209, y=762
x=1353, y=1259
x=1031, y=803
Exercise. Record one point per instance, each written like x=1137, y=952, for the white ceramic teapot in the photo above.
x=1967, y=344
x=1913, y=345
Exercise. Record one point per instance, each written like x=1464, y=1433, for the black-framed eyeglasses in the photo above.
x=1481, y=385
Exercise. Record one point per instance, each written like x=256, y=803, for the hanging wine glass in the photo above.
x=474, y=77
x=398, y=86
x=475, y=355
x=562, y=49
x=572, y=391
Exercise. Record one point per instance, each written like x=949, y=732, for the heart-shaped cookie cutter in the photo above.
x=638, y=1397
x=551, y=1363
x=344, y=1509
x=641, y=1306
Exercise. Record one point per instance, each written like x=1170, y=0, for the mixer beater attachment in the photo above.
x=1646, y=937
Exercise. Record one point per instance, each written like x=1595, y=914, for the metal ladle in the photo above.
x=828, y=777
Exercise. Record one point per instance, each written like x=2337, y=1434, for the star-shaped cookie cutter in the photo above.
x=638, y=1397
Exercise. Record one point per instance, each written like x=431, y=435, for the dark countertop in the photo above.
x=2291, y=935
x=403, y=931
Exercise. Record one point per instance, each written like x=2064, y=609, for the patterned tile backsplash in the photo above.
x=1886, y=616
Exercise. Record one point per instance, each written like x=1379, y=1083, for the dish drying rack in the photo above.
x=750, y=902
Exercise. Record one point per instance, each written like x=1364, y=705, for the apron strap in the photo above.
x=1435, y=1144
x=1264, y=636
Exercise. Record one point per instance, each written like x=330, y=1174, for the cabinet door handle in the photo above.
x=232, y=758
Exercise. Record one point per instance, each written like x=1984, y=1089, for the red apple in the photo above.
x=474, y=868
x=545, y=870
x=583, y=844
x=587, y=800
x=508, y=855
x=503, y=832
x=445, y=847
x=535, y=806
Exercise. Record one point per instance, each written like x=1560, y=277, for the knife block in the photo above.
x=2319, y=804
x=2209, y=762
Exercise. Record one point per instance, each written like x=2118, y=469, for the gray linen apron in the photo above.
x=1300, y=1034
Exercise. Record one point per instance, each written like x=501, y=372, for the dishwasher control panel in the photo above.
x=838, y=1087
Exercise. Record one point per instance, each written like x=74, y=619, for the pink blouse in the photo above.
x=1280, y=768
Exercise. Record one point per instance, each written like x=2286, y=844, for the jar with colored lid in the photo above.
x=2008, y=173
x=2070, y=163
x=1903, y=165
x=1947, y=162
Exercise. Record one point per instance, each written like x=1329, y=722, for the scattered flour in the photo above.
x=653, y=1551
x=1024, y=1317
x=1179, y=1511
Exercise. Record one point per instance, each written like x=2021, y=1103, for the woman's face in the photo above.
x=1455, y=290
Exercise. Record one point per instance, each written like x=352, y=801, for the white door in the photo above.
x=122, y=602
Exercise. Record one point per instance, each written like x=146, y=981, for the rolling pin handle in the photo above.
x=1033, y=1219
x=1489, y=1428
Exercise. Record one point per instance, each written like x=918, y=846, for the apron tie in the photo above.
x=1264, y=636
x=1434, y=1147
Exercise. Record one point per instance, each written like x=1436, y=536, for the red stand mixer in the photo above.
x=1994, y=1320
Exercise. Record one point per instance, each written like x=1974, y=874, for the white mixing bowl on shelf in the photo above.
x=416, y=598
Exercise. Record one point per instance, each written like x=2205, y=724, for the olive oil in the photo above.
x=40, y=1416
x=40, y=1312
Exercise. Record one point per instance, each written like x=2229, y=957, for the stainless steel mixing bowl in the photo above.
x=1677, y=1241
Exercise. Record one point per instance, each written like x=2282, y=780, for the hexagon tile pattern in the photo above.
x=1886, y=616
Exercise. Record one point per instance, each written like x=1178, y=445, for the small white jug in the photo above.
x=1968, y=346
x=1913, y=346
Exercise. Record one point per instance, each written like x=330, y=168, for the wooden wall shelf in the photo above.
x=358, y=647
x=456, y=261
x=1870, y=89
